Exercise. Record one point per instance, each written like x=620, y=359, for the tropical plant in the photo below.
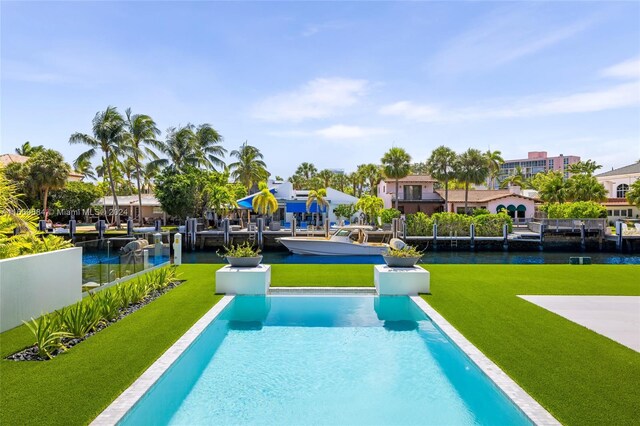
x=320, y=198
x=240, y=250
x=140, y=135
x=575, y=210
x=472, y=169
x=494, y=161
x=551, y=186
x=221, y=199
x=29, y=150
x=84, y=167
x=191, y=146
x=80, y=319
x=325, y=176
x=633, y=194
x=339, y=181
x=387, y=215
x=46, y=170
x=372, y=175
x=587, y=167
x=515, y=179
x=396, y=164
x=107, y=304
x=306, y=170
x=249, y=167
x=48, y=334
x=264, y=202
x=184, y=193
x=419, y=224
x=75, y=196
x=441, y=165
x=108, y=132
x=419, y=169
x=344, y=210
x=582, y=187
x=371, y=206
x=406, y=251
x=356, y=181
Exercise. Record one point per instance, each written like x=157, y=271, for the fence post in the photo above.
x=619, y=235
x=293, y=226
x=72, y=229
x=394, y=227
x=157, y=245
x=260, y=224
x=177, y=249
x=226, y=228
x=158, y=225
x=505, y=234
x=326, y=227
x=583, y=232
x=472, y=234
x=42, y=225
x=130, y=227
x=101, y=229
x=435, y=234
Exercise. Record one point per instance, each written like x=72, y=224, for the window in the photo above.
x=609, y=213
x=621, y=190
x=413, y=192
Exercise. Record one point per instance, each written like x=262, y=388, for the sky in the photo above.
x=332, y=83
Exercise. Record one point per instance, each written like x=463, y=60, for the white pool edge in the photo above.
x=127, y=399
x=529, y=406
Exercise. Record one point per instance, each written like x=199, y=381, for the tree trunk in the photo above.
x=446, y=194
x=113, y=191
x=45, y=197
x=466, y=195
x=397, y=195
x=139, y=193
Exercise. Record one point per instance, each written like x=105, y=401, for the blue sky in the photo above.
x=333, y=83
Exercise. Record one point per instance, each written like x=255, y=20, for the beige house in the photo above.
x=6, y=159
x=617, y=183
x=416, y=194
x=129, y=207
x=494, y=200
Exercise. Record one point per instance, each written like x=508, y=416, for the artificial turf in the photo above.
x=578, y=375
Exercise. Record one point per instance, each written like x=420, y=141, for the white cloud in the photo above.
x=627, y=69
x=341, y=131
x=319, y=98
x=502, y=37
x=619, y=96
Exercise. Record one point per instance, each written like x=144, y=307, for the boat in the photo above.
x=349, y=240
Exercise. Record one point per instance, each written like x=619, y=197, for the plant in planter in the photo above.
x=404, y=257
x=242, y=255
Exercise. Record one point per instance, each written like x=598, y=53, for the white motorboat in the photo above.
x=346, y=241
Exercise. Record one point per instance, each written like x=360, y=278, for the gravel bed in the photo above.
x=31, y=353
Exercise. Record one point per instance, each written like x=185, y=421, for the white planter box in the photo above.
x=230, y=280
x=400, y=281
x=37, y=284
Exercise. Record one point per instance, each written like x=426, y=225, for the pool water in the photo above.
x=356, y=360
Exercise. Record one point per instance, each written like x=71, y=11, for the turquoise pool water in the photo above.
x=357, y=360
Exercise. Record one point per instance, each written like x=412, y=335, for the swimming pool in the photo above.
x=323, y=360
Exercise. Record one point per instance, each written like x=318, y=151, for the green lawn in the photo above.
x=578, y=375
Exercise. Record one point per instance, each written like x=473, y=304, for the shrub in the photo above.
x=387, y=215
x=48, y=334
x=576, y=210
x=419, y=224
x=108, y=305
x=80, y=319
x=407, y=251
x=487, y=224
x=240, y=250
x=452, y=223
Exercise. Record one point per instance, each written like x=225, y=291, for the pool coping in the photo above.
x=121, y=406
x=529, y=406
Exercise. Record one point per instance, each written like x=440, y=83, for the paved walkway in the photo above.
x=617, y=317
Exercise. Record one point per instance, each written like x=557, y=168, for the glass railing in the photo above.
x=108, y=260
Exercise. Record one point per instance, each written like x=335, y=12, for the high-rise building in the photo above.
x=536, y=162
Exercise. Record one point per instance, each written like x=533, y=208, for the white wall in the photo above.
x=39, y=283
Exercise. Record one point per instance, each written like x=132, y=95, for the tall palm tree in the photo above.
x=179, y=148
x=84, y=167
x=512, y=180
x=207, y=141
x=472, y=168
x=249, y=167
x=151, y=170
x=141, y=133
x=372, y=176
x=306, y=170
x=264, y=202
x=28, y=150
x=325, y=177
x=108, y=131
x=46, y=170
x=339, y=181
x=441, y=165
x=297, y=181
x=396, y=164
x=494, y=160
x=320, y=198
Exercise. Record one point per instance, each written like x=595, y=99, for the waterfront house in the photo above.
x=494, y=200
x=617, y=183
x=416, y=194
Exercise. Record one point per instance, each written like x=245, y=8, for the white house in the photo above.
x=293, y=203
x=617, y=183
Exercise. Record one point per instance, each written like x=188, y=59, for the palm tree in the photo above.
x=339, y=181
x=151, y=170
x=108, y=130
x=551, y=186
x=207, y=141
x=297, y=181
x=141, y=132
x=512, y=180
x=396, y=164
x=633, y=194
x=83, y=166
x=356, y=180
x=249, y=167
x=372, y=175
x=320, y=197
x=27, y=150
x=584, y=187
x=325, y=177
x=179, y=148
x=494, y=160
x=306, y=170
x=472, y=168
x=46, y=170
x=264, y=202
x=441, y=165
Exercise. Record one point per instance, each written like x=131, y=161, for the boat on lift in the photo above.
x=352, y=240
